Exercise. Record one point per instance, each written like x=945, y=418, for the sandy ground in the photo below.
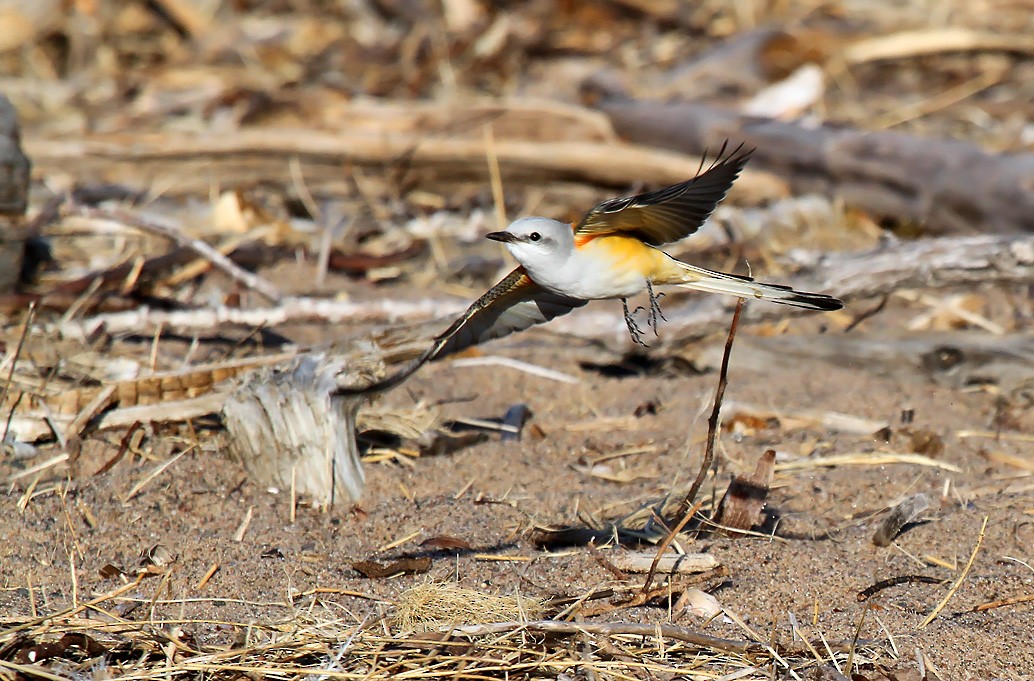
x=492, y=494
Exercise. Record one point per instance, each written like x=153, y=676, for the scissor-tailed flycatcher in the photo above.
x=611, y=253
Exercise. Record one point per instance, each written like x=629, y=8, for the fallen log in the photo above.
x=946, y=185
x=191, y=164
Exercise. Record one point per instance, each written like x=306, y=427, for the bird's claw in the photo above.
x=655, y=307
x=634, y=330
x=654, y=312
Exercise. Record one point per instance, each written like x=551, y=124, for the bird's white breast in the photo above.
x=590, y=272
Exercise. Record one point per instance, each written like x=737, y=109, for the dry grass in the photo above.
x=431, y=606
x=461, y=636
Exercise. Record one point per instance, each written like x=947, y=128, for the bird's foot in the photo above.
x=633, y=328
x=655, y=307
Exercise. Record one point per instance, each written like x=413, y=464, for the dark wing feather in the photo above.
x=512, y=305
x=672, y=213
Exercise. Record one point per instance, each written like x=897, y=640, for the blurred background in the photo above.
x=377, y=141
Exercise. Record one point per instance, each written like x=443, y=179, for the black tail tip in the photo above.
x=818, y=301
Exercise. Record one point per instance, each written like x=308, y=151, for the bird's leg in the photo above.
x=655, y=306
x=633, y=328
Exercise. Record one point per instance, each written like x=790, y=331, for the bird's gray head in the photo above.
x=534, y=240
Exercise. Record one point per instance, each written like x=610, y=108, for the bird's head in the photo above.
x=535, y=240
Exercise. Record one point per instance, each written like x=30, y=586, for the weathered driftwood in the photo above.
x=161, y=397
x=669, y=563
x=946, y=185
x=289, y=428
x=291, y=310
x=285, y=422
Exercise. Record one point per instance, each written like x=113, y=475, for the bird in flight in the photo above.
x=612, y=253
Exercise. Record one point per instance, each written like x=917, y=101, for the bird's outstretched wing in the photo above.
x=672, y=213
x=514, y=304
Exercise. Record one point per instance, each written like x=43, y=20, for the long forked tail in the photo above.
x=702, y=279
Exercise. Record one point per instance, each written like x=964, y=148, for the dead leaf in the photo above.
x=39, y=653
x=697, y=603
x=927, y=443
x=228, y=214
x=157, y=556
x=110, y=571
x=743, y=422
x=88, y=645
x=404, y=566
x=358, y=263
x=741, y=507
x=445, y=542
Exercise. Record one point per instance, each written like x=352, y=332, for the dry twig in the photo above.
x=613, y=629
x=713, y=419
x=152, y=226
x=958, y=583
x=1026, y=598
x=14, y=362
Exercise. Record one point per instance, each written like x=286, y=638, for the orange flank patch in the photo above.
x=582, y=239
x=627, y=254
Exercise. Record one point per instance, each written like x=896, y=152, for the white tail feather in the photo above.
x=702, y=279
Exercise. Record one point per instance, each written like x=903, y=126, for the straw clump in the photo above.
x=434, y=605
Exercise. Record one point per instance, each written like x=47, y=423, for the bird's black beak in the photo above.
x=504, y=237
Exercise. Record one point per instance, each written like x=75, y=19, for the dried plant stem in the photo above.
x=670, y=537
x=71, y=612
x=498, y=198
x=1004, y=602
x=612, y=629
x=854, y=641
x=14, y=362
x=716, y=410
x=958, y=583
x=30, y=671
x=158, y=470
x=926, y=41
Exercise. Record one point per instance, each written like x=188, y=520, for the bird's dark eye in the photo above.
x=534, y=236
